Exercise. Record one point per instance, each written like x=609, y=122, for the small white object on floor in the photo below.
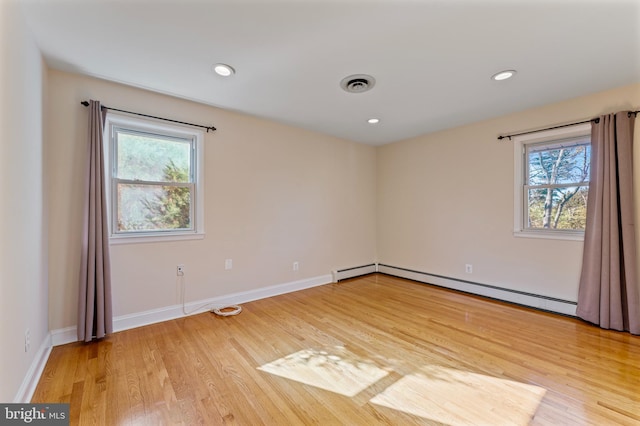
x=227, y=311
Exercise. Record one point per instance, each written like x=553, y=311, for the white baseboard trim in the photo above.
x=31, y=379
x=68, y=335
x=545, y=303
x=62, y=336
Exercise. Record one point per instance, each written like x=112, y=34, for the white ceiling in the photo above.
x=432, y=60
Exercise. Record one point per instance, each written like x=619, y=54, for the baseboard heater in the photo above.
x=545, y=303
x=343, y=274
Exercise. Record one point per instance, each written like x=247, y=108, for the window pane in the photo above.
x=153, y=158
x=564, y=165
x=560, y=208
x=153, y=207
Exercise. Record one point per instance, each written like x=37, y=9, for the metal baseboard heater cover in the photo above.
x=544, y=303
x=343, y=274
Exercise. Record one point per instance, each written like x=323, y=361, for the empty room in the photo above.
x=320, y=212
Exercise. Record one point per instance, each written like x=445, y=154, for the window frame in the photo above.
x=115, y=122
x=521, y=184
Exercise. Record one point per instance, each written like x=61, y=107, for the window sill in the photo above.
x=567, y=236
x=139, y=239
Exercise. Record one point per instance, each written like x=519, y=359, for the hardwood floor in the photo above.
x=372, y=350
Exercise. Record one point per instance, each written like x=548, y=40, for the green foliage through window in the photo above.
x=171, y=209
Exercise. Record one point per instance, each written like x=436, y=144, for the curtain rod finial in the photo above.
x=85, y=103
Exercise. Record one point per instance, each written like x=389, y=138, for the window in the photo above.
x=155, y=185
x=552, y=183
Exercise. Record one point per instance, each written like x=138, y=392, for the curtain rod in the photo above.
x=593, y=120
x=85, y=103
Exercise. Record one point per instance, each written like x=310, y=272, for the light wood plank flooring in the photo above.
x=372, y=350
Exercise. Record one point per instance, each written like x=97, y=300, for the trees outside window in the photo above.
x=551, y=182
x=155, y=185
x=152, y=180
x=557, y=184
x=171, y=208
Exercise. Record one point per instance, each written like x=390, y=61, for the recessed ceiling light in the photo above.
x=223, y=70
x=373, y=120
x=503, y=75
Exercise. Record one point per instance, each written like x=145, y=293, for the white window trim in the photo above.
x=122, y=120
x=519, y=143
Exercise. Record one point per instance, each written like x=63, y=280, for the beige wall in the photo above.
x=23, y=275
x=274, y=195
x=446, y=199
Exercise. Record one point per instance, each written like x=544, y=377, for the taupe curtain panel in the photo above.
x=608, y=294
x=94, y=300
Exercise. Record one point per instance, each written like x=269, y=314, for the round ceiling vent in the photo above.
x=357, y=83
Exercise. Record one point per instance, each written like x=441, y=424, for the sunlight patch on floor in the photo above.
x=335, y=370
x=457, y=397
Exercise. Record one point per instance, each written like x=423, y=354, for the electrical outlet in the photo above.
x=27, y=340
x=468, y=268
x=296, y=266
x=228, y=264
x=180, y=270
